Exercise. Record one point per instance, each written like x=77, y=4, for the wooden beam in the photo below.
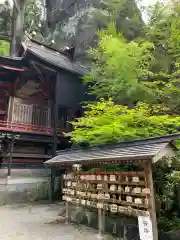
x=152, y=207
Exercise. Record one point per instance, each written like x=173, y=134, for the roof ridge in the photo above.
x=152, y=140
x=137, y=142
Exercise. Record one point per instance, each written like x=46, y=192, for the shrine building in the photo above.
x=40, y=94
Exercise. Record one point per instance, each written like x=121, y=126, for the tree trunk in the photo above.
x=17, y=26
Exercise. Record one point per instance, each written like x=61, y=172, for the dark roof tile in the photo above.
x=129, y=151
x=55, y=58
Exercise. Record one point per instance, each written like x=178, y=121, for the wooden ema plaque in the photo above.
x=118, y=192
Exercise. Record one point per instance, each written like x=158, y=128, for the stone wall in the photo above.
x=25, y=185
x=23, y=190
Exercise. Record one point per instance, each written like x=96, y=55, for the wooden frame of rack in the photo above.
x=130, y=193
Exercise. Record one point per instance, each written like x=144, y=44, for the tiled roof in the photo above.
x=55, y=58
x=134, y=150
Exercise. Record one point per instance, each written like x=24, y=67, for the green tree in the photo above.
x=5, y=19
x=163, y=31
x=106, y=122
x=4, y=48
x=118, y=68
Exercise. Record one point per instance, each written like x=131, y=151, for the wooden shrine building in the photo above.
x=115, y=179
x=40, y=93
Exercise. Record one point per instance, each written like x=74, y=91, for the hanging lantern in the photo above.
x=76, y=167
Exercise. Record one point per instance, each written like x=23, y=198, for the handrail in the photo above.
x=27, y=128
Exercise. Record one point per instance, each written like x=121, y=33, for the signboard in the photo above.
x=145, y=228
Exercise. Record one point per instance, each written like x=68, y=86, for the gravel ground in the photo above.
x=39, y=222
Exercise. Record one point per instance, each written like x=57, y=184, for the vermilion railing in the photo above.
x=28, y=128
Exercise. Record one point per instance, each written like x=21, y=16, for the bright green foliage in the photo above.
x=163, y=31
x=167, y=184
x=126, y=16
x=118, y=67
x=105, y=122
x=4, y=48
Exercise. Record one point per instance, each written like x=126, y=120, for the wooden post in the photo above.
x=10, y=158
x=10, y=109
x=54, y=125
x=67, y=212
x=100, y=223
x=152, y=210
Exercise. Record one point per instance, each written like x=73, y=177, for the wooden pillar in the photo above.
x=100, y=223
x=54, y=116
x=54, y=126
x=67, y=213
x=10, y=109
x=11, y=145
x=152, y=209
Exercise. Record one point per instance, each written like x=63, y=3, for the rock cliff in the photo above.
x=75, y=22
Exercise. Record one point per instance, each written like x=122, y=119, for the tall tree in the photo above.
x=17, y=26
x=118, y=67
x=5, y=20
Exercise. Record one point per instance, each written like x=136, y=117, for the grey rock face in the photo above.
x=75, y=22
